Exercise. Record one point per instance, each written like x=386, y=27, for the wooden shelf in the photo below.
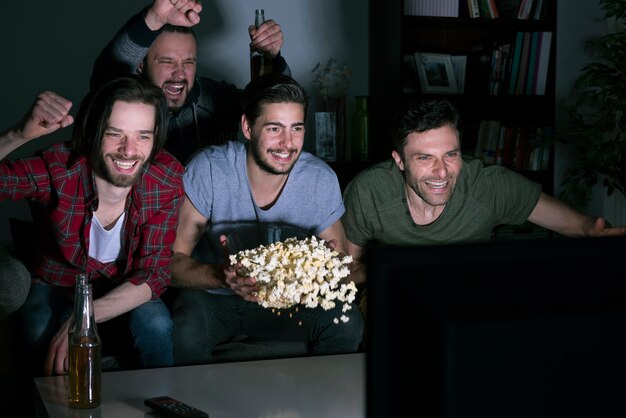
x=394, y=35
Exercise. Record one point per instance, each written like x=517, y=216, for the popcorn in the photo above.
x=293, y=272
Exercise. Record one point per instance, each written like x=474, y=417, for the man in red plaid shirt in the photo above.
x=105, y=204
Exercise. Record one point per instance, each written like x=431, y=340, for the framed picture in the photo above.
x=436, y=73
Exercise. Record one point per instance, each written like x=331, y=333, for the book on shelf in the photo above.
x=493, y=9
x=488, y=9
x=479, y=65
x=487, y=142
x=532, y=64
x=500, y=67
x=539, y=158
x=483, y=8
x=507, y=8
x=525, y=9
x=520, y=87
x=500, y=146
x=520, y=148
x=473, y=9
x=543, y=59
x=516, y=64
x=517, y=53
x=438, y=8
x=540, y=10
x=505, y=152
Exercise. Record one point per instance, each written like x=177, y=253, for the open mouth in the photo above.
x=436, y=184
x=281, y=156
x=174, y=89
x=125, y=165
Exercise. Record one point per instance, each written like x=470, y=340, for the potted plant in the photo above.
x=596, y=123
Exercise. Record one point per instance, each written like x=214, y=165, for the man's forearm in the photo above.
x=9, y=141
x=124, y=52
x=191, y=274
x=120, y=300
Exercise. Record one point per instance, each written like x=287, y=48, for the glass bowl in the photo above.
x=253, y=236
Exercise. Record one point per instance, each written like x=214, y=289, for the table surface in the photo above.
x=317, y=386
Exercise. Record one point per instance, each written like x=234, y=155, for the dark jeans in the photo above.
x=202, y=320
x=148, y=326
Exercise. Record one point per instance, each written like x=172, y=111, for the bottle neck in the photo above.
x=259, y=17
x=84, y=317
x=361, y=103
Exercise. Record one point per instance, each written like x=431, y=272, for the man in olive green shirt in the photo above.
x=428, y=194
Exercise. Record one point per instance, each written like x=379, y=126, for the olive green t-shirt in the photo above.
x=484, y=197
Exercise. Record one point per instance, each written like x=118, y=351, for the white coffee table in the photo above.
x=320, y=386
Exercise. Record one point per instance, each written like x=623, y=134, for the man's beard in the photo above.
x=116, y=179
x=265, y=166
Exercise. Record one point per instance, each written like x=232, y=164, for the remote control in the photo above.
x=173, y=408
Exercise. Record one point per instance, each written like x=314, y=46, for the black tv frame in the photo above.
x=497, y=329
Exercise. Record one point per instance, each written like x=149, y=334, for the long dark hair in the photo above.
x=95, y=110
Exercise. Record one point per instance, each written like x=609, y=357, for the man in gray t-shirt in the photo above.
x=269, y=179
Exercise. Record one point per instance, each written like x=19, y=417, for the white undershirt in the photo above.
x=106, y=245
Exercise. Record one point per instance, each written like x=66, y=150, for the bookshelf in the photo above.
x=528, y=107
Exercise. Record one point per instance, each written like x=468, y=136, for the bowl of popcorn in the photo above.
x=292, y=268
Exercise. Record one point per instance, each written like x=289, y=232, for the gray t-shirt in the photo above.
x=484, y=197
x=216, y=182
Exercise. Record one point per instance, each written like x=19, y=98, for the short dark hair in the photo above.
x=167, y=28
x=178, y=29
x=420, y=116
x=271, y=88
x=95, y=109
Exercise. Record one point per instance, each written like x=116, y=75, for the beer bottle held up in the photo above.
x=84, y=350
x=259, y=63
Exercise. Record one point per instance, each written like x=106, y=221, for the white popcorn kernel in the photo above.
x=295, y=272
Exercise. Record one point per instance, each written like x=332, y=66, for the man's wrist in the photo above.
x=153, y=20
x=15, y=136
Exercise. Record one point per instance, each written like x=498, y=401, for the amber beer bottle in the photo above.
x=84, y=350
x=259, y=63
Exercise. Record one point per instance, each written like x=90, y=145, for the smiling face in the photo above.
x=431, y=164
x=127, y=143
x=277, y=136
x=171, y=65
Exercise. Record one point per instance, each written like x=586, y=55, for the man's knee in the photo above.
x=341, y=330
x=153, y=318
x=355, y=324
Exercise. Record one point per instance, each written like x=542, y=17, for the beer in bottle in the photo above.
x=259, y=63
x=84, y=350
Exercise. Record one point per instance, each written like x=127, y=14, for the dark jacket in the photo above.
x=212, y=111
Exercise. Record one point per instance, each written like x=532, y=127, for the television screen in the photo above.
x=498, y=329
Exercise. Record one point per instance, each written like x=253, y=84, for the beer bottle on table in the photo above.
x=260, y=63
x=84, y=350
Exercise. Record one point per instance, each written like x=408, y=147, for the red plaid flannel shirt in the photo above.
x=62, y=195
